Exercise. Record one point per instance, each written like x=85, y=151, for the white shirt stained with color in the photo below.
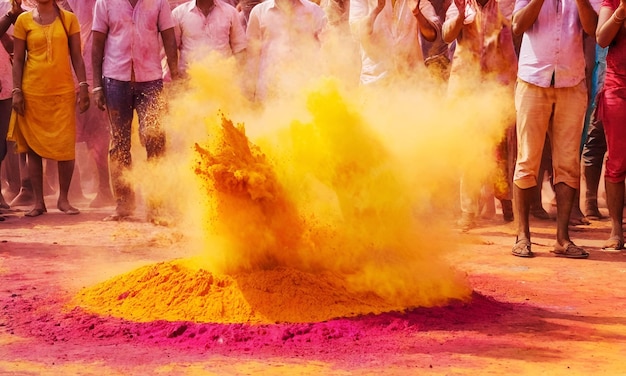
x=133, y=37
x=197, y=35
x=286, y=42
x=394, y=37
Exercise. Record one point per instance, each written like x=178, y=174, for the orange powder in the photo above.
x=322, y=224
x=178, y=291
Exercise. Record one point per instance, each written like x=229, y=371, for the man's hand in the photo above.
x=16, y=6
x=98, y=97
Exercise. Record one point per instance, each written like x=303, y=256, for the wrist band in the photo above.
x=617, y=19
x=16, y=90
x=96, y=89
x=83, y=83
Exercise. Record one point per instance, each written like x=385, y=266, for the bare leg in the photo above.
x=25, y=197
x=592, y=177
x=104, y=197
x=66, y=169
x=615, y=202
x=3, y=202
x=565, y=196
x=523, y=199
x=35, y=172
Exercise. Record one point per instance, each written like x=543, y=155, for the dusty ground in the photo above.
x=545, y=315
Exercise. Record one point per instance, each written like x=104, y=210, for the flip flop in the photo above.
x=522, y=248
x=614, y=243
x=570, y=250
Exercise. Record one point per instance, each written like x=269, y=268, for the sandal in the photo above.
x=614, y=243
x=522, y=248
x=570, y=250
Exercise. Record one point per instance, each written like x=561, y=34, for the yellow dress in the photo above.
x=48, y=126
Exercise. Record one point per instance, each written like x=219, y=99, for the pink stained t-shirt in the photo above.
x=553, y=45
x=133, y=40
x=197, y=35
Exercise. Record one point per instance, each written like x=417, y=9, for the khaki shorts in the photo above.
x=559, y=112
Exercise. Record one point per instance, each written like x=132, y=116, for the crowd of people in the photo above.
x=76, y=71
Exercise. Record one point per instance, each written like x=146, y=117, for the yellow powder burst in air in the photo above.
x=331, y=211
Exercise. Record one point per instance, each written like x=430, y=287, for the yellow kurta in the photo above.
x=48, y=126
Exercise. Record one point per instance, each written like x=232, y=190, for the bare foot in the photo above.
x=36, y=212
x=66, y=208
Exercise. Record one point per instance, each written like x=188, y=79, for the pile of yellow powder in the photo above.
x=176, y=291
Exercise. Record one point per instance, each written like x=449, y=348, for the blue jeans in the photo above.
x=122, y=99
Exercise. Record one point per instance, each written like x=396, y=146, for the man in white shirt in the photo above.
x=283, y=45
x=203, y=26
x=387, y=31
x=550, y=96
x=127, y=77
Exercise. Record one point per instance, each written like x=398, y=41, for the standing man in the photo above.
x=203, y=26
x=283, y=46
x=388, y=32
x=127, y=77
x=551, y=85
x=484, y=53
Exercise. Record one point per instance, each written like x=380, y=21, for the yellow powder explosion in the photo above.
x=333, y=210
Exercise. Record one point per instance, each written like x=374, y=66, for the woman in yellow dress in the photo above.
x=43, y=124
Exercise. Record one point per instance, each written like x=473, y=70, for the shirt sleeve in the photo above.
x=100, y=17
x=519, y=4
x=166, y=21
x=238, y=40
x=73, y=24
x=19, y=31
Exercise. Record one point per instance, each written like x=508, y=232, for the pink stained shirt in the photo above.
x=553, y=45
x=197, y=35
x=133, y=37
x=83, y=9
x=394, y=45
x=485, y=44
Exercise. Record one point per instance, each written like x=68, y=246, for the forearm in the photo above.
x=97, y=55
x=171, y=51
x=588, y=17
x=79, y=69
x=452, y=28
x=609, y=23
x=428, y=22
x=524, y=18
x=19, y=50
x=5, y=23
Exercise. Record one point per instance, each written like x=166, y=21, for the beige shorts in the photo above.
x=559, y=112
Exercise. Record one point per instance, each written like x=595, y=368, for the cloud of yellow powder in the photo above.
x=356, y=182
